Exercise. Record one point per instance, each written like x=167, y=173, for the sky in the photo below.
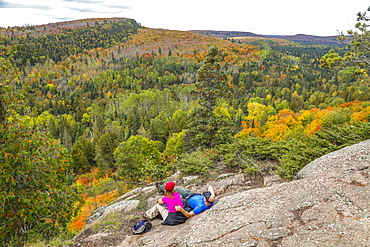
x=266, y=17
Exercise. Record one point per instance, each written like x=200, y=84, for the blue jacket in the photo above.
x=196, y=202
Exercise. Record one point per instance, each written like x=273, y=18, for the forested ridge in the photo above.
x=90, y=111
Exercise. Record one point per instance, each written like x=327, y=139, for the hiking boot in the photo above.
x=160, y=187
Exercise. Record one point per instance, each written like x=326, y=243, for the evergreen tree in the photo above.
x=104, y=150
x=358, y=45
x=82, y=155
x=134, y=121
x=205, y=128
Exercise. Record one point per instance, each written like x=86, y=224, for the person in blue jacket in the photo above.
x=199, y=203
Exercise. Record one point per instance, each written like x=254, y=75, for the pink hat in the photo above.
x=169, y=186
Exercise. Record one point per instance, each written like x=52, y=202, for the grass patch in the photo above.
x=143, y=199
x=111, y=222
x=130, y=217
x=61, y=240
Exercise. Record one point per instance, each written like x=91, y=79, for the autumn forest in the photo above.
x=90, y=109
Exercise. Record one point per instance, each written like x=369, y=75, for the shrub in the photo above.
x=305, y=148
x=195, y=163
x=240, y=153
x=301, y=151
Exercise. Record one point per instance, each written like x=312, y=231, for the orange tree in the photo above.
x=96, y=191
x=35, y=199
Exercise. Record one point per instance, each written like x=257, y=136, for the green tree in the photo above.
x=36, y=200
x=133, y=155
x=82, y=156
x=159, y=127
x=175, y=144
x=296, y=102
x=178, y=121
x=104, y=150
x=206, y=129
x=133, y=122
x=359, y=44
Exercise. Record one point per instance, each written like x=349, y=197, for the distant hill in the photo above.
x=311, y=39
x=56, y=27
x=226, y=34
x=303, y=38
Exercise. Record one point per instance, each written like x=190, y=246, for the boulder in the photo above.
x=224, y=183
x=350, y=164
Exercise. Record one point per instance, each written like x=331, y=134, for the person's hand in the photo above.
x=178, y=208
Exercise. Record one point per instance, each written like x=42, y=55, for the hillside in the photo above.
x=302, y=38
x=91, y=110
x=57, y=27
x=225, y=34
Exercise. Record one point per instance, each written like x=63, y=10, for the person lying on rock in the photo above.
x=166, y=207
x=197, y=202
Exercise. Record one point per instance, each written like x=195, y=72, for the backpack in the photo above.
x=141, y=227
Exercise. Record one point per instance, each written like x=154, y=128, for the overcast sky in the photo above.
x=267, y=17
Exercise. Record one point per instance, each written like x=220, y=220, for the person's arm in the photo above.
x=184, y=212
x=160, y=202
x=213, y=196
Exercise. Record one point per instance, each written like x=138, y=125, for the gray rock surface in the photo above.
x=105, y=210
x=326, y=205
x=271, y=180
x=189, y=179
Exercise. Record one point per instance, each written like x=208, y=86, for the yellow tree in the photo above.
x=281, y=124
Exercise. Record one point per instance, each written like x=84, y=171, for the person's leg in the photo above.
x=182, y=191
x=163, y=211
x=155, y=210
x=152, y=212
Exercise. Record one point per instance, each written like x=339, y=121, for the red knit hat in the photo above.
x=169, y=186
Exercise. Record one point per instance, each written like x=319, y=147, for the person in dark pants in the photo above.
x=198, y=203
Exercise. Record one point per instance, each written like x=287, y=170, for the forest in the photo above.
x=89, y=112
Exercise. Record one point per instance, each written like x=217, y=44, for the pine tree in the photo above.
x=104, y=149
x=206, y=129
x=358, y=46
